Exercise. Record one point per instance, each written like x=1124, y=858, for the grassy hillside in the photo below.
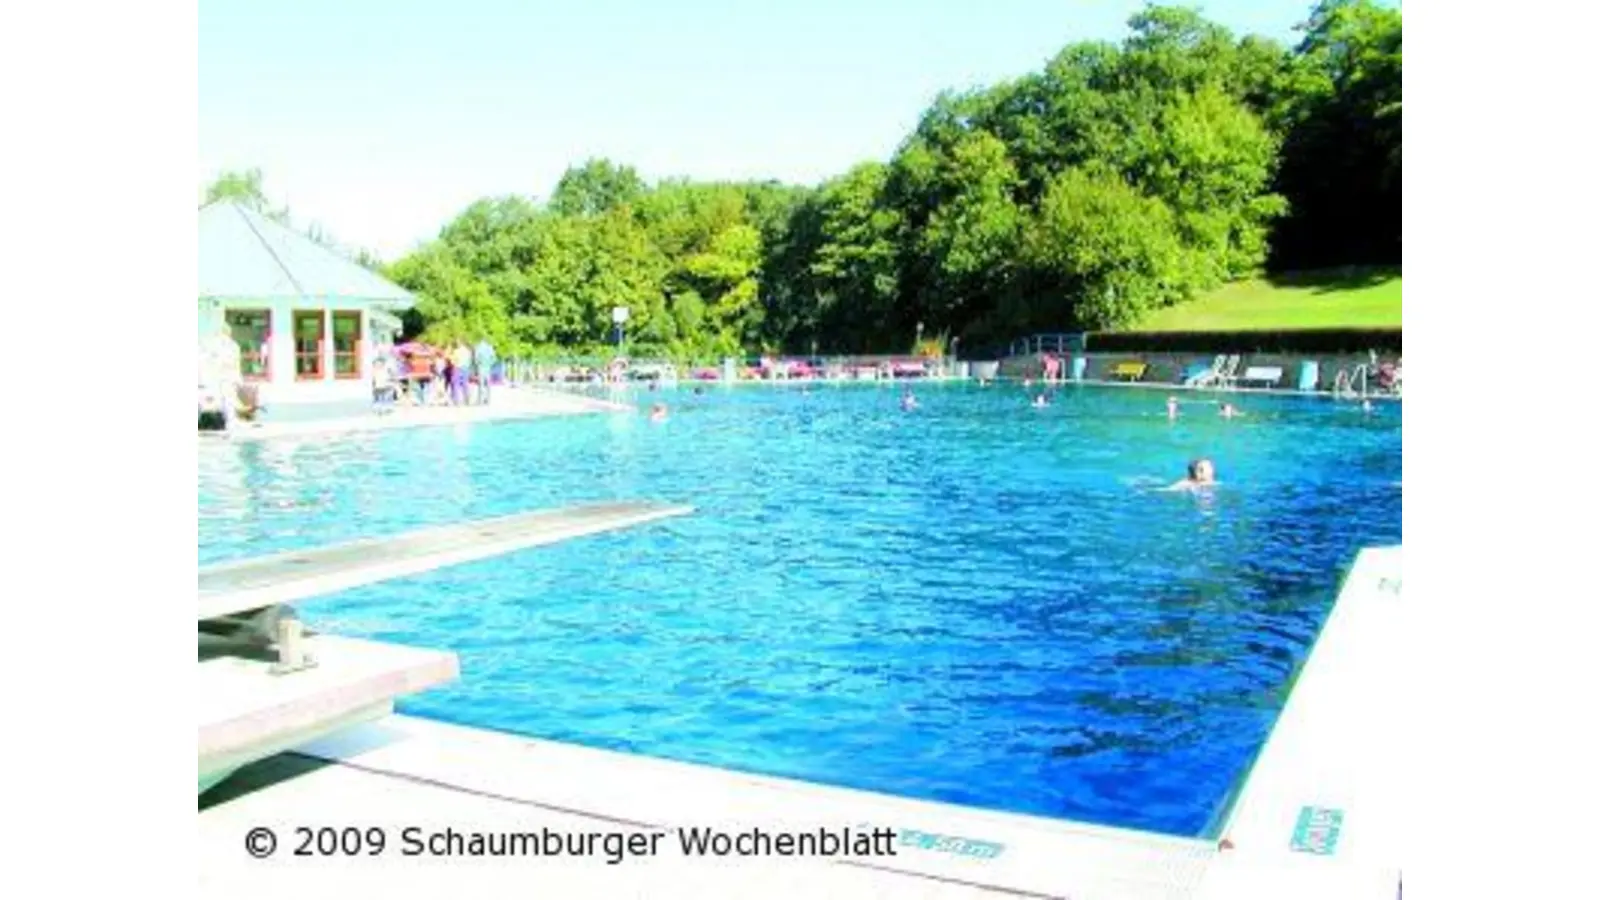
x=1339, y=298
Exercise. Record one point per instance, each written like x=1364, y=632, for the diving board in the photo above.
x=232, y=588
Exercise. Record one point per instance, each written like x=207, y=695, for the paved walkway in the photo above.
x=508, y=403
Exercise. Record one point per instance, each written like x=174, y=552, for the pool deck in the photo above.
x=506, y=404
x=1328, y=753
x=1321, y=811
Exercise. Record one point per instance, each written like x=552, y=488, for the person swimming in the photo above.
x=1041, y=401
x=1202, y=473
x=698, y=390
x=1229, y=411
x=658, y=413
x=908, y=402
x=1172, y=407
x=1366, y=406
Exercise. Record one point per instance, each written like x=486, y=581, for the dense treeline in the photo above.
x=1118, y=179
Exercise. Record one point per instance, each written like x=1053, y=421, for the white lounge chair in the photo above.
x=1222, y=373
x=1266, y=376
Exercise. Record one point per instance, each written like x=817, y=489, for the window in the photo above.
x=308, y=335
x=252, y=331
x=347, y=345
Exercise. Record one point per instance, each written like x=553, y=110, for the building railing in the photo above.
x=1046, y=343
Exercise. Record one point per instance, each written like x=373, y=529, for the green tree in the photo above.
x=1117, y=179
x=453, y=304
x=247, y=188
x=1341, y=153
x=1111, y=252
x=598, y=186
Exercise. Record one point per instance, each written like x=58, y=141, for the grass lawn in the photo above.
x=1336, y=298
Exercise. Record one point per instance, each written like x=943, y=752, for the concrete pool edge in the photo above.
x=1004, y=852
x=1010, y=380
x=1318, y=811
x=513, y=404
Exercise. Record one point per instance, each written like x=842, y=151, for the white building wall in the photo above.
x=282, y=387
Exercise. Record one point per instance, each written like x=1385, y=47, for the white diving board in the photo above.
x=232, y=588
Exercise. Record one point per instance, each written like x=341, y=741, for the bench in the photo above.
x=1268, y=376
x=1132, y=371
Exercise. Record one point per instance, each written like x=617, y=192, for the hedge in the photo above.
x=1300, y=341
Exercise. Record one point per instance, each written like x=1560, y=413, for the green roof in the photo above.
x=245, y=255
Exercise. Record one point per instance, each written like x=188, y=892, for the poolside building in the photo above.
x=307, y=320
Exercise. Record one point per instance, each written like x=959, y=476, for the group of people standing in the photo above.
x=459, y=376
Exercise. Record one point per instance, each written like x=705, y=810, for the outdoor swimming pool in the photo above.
x=977, y=602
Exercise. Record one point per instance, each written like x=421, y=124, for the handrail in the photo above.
x=1045, y=342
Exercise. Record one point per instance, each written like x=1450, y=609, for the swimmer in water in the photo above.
x=1041, y=401
x=1201, y=474
x=908, y=402
x=698, y=390
x=1172, y=407
x=1027, y=382
x=658, y=413
x=1229, y=411
x=1366, y=406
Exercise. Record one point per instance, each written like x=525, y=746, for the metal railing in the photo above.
x=1046, y=343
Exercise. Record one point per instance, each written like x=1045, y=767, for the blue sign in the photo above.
x=1317, y=830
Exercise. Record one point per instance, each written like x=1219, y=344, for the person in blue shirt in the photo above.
x=483, y=364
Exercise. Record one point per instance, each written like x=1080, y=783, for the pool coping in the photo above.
x=513, y=404
x=1318, y=812
x=577, y=388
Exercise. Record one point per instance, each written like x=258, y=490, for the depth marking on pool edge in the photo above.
x=944, y=843
x=1316, y=831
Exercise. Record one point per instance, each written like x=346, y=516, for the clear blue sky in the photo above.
x=381, y=120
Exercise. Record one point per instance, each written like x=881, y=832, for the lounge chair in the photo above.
x=1201, y=373
x=1229, y=373
x=1130, y=371
x=1267, y=376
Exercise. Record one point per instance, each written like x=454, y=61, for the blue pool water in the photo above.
x=976, y=602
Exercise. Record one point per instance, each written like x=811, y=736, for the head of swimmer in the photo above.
x=1201, y=471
